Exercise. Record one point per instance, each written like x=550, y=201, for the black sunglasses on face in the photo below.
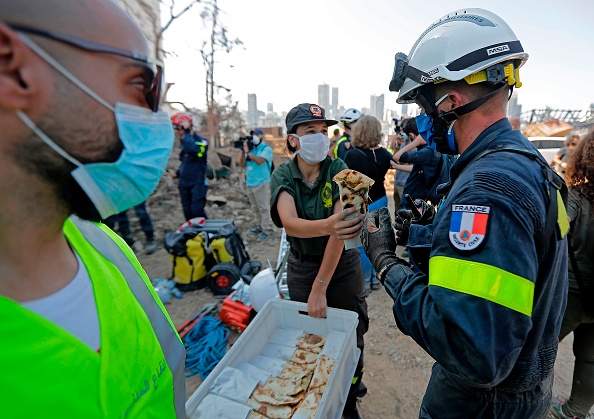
x=177, y=127
x=152, y=92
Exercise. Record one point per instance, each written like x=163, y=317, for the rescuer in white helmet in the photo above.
x=348, y=119
x=489, y=287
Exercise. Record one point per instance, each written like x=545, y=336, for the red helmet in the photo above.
x=181, y=117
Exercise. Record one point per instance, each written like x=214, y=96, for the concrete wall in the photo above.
x=147, y=15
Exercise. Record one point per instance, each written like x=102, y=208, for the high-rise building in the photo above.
x=376, y=106
x=379, y=107
x=269, y=107
x=334, y=106
x=252, y=110
x=404, y=110
x=324, y=96
x=513, y=108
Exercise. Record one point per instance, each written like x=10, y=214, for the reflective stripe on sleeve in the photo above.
x=483, y=281
x=562, y=216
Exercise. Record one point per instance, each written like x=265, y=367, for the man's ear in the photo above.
x=456, y=100
x=17, y=71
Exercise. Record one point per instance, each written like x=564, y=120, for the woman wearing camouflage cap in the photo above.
x=305, y=201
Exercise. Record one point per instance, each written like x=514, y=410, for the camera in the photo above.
x=239, y=143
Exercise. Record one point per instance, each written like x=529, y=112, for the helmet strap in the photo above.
x=454, y=114
x=442, y=121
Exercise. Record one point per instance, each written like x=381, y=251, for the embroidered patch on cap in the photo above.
x=468, y=226
x=316, y=111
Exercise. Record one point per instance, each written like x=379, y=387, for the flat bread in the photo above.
x=354, y=189
x=267, y=395
x=294, y=372
x=301, y=356
x=319, y=390
x=309, y=407
x=309, y=341
x=306, y=380
x=256, y=415
x=322, y=371
x=270, y=411
x=284, y=386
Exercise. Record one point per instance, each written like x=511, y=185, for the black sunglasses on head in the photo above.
x=152, y=93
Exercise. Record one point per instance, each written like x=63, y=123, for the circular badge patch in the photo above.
x=316, y=111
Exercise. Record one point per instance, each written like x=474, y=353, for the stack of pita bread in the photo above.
x=299, y=387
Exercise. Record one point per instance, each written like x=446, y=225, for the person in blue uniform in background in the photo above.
x=192, y=172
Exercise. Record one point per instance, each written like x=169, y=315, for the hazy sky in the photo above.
x=292, y=46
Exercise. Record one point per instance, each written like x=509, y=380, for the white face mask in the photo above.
x=255, y=140
x=314, y=147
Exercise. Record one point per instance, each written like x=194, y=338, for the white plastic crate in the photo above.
x=339, y=328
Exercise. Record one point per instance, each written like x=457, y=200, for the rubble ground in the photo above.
x=396, y=368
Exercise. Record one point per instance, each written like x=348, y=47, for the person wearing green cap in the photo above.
x=305, y=202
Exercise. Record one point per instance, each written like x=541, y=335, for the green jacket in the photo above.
x=313, y=203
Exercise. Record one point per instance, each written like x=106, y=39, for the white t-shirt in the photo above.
x=73, y=308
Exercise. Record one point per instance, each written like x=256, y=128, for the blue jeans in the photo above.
x=369, y=276
x=123, y=223
x=447, y=398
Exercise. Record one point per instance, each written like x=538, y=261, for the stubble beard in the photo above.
x=85, y=130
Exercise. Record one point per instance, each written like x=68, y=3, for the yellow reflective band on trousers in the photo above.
x=483, y=281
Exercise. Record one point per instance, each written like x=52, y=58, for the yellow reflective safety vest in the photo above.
x=47, y=372
x=341, y=140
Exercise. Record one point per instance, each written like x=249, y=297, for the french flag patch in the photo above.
x=468, y=226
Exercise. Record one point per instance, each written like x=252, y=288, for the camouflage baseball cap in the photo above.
x=306, y=112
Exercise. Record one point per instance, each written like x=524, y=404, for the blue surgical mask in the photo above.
x=147, y=139
x=427, y=131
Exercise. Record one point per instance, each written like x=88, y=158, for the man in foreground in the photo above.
x=488, y=301
x=84, y=334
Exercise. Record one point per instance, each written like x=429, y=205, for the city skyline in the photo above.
x=285, y=69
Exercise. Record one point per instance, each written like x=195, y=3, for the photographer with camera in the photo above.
x=257, y=160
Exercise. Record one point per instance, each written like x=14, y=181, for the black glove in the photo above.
x=379, y=242
x=421, y=213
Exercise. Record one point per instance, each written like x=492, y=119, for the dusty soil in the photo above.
x=397, y=369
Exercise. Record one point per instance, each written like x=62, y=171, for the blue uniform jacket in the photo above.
x=427, y=163
x=490, y=308
x=193, y=158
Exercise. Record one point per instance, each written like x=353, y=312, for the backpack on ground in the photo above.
x=196, y=248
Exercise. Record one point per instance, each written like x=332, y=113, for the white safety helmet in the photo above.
x=350, y=116
x=465, y=44
x=263, y=288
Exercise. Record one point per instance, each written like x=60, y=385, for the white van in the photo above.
x=548, y=146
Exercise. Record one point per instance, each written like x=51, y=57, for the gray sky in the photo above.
x=292, y=46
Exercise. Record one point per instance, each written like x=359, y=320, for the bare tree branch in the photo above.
x=173, y=16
